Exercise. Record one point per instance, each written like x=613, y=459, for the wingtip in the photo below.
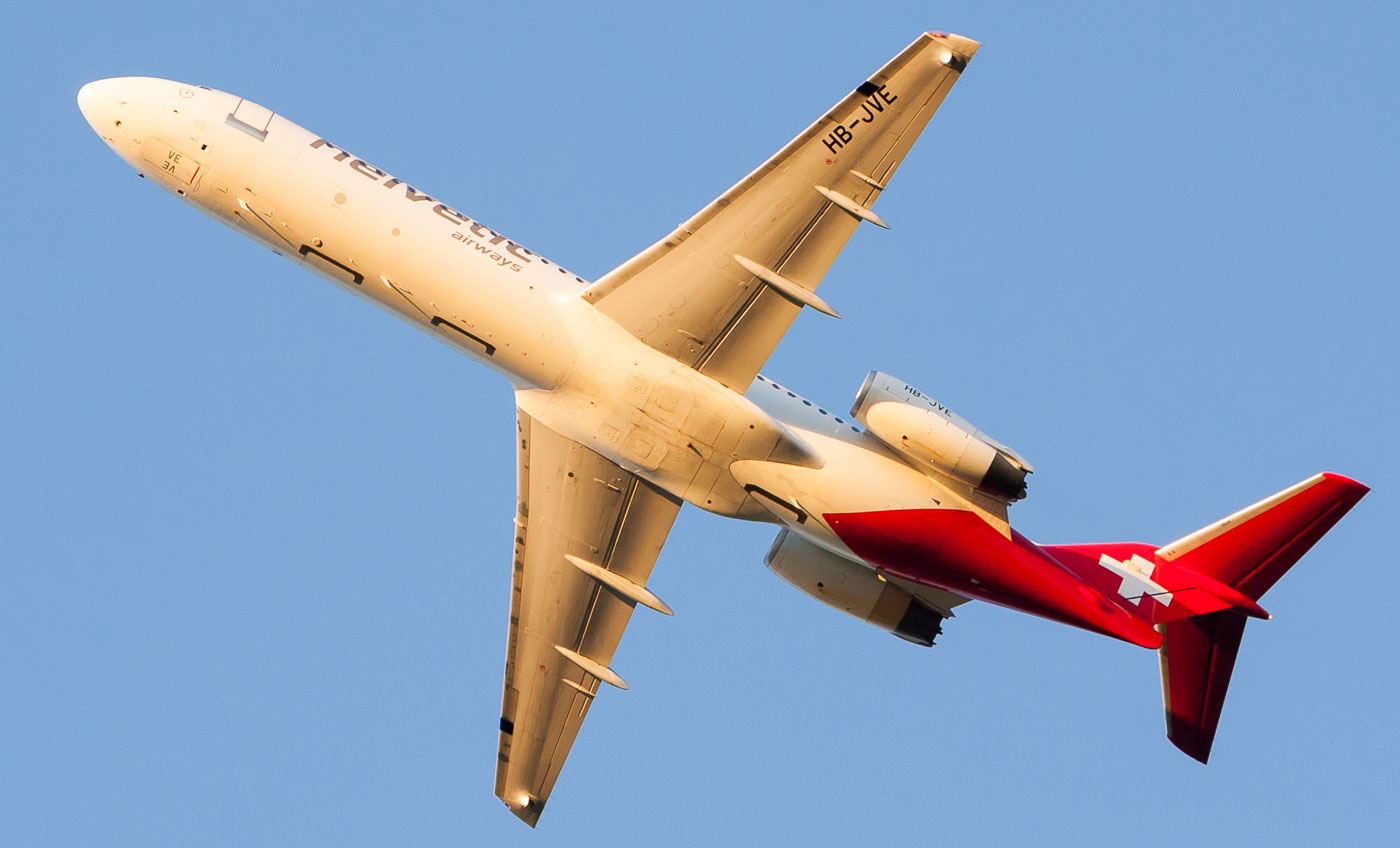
x=960, y=44
x=528, y=811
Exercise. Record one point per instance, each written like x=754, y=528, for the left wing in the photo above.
x=587, y=536
x=720, y=291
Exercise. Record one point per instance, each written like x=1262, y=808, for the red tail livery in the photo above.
x=1189, y=599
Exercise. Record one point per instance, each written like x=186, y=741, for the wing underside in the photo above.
x=716, y=294
x=587, y=536
x=720, y=291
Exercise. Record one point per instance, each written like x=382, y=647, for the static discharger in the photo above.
x=788, y=288
x=851, y=206
x=621, y=585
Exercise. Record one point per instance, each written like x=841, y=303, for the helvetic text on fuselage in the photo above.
x=489, y=238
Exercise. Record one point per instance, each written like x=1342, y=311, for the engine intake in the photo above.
x=932, y=436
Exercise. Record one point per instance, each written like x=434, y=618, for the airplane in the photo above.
x=640, y=391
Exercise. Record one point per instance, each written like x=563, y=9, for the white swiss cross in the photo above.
x=1137, y=579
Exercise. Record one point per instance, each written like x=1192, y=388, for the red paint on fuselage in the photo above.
x=957, y=551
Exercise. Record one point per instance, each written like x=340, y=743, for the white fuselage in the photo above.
x=574, y=369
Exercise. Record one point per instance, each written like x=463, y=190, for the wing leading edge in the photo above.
x=720, y=291
x=587, y=536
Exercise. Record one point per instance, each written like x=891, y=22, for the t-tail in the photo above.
x=1201, y=589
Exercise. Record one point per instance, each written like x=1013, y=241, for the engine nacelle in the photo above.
x=931, y=435
x=853, y=588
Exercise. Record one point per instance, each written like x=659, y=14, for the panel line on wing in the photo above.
x=629, y=500
x=620, y=585
x=738, y=317
x=627, y=496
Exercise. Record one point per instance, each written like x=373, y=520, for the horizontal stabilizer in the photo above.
x=1253, y=548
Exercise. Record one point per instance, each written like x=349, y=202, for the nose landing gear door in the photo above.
x=250, y=118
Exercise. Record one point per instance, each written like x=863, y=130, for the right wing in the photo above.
x=720, y=291
x=587, y=536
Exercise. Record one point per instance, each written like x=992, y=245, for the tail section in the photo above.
x=1201, y=589
x=1247, y=552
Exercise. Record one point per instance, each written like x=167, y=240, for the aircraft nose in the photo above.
x=101, y=106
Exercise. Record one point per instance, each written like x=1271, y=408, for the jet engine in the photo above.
x=852, y=587
x=931, y=436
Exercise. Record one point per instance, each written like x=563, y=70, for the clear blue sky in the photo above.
x=255, y=535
